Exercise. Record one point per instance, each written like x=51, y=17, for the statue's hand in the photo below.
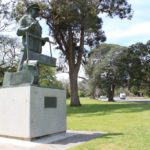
x=46, y=39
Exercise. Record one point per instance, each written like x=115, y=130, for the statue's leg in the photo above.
x=23, y=57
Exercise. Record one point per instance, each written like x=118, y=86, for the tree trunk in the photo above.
x=74, y=58
x=73, y=75
x=111, y=97
x=111, y=93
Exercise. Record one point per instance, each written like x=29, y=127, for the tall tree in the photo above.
x=105, y=69
x=137, y=63
x=76, y=23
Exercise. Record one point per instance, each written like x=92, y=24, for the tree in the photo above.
x=5, y=14
x=7, y=44
x=47, y=77
x=8, y=54
x=105, y=69
x=137, y=63
x=76, y=23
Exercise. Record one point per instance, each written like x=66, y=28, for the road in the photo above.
x=132, y=99
x=129, y=99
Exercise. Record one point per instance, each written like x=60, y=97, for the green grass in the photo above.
x=127, y=124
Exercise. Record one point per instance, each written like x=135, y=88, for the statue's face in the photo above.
x=35, y=12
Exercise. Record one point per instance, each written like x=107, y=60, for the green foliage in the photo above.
x=83, y=88
x=48, y=78
x=66, y=86
x=111, y=65
x=105, y=69
x=82, y=93
x=137, y=63
x=123, y=90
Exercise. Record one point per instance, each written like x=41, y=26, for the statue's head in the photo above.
x=32, y=6
x=33, y=9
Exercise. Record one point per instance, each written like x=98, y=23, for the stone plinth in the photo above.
x=29, y=112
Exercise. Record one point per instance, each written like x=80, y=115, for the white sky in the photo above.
x=127, y=32
x=123, y=32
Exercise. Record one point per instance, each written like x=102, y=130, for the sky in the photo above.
x=123, y=31
x=126, y=32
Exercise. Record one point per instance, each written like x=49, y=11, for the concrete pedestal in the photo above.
x=29, y=112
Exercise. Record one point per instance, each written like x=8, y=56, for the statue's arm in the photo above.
x=23, y=28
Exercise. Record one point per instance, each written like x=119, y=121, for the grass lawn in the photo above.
x=127, y=124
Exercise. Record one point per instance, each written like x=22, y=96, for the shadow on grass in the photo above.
x=78, y=138
x=105, y=109
x=110, y=135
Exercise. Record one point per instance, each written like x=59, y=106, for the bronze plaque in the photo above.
x=50, y=102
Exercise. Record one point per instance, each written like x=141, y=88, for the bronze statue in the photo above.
x=31, y=31
x=32, y=41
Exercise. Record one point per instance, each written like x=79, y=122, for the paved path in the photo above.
x=59, y=142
